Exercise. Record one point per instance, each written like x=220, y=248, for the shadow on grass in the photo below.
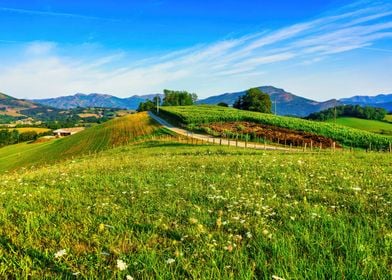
x=40, y=259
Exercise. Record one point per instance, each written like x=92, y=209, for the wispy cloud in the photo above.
x=201, y=67
x=52, y=14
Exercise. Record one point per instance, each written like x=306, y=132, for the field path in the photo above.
x=214, y=140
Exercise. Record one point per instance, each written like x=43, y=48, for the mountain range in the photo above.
x=284, y=102
x=95, y=100
x=381, y=100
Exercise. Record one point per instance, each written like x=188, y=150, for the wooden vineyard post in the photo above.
x=390, y=147
x=220, y=141
x=236, y=142
x=334, y=146
x=291, y=146
x=311, y=145
x=246, y=141
x=321, y=146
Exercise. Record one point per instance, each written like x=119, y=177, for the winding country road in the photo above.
x=214, y=140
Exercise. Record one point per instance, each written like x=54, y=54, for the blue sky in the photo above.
x=317, y=49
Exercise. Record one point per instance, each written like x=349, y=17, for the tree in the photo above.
x=254, y=100
x=223, y=104
x=148, y=105
x=178, y=98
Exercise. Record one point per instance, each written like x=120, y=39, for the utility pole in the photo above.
x=158, y=104
x=275, y=105
x=335, y=111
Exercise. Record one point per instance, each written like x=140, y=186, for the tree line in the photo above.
x=253, y=100
x=357, y=111
x=170, y=98
x=9, y=137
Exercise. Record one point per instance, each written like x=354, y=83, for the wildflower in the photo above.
x=193, y=221
x=121, y=265
x=277, y=277
x=265, y=232
x=170, y=261
x=219, y=222
x=357, y=189
x=60, y=253
x=101, y=227
x=229, y=248
x=129, y=277
x=248, y=235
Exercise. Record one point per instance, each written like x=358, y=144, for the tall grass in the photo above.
x=171, y=211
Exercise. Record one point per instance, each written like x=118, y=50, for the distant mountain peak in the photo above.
x=286, y=102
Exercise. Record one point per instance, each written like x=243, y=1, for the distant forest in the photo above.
x=357, y=111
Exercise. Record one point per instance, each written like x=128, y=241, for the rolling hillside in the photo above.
x=286, y=102
x=197, y=117
x=367, y=125
x=101, y=137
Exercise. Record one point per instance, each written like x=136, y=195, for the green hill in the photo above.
x=101, y=137
x=194, y=117
x=367, y=125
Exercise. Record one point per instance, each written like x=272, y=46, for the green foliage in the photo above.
x=254, y=100
x=9, y=137
x=223, y=104
x=356, y=111
x=148, y=105
x=178, y=98
x=197, y=115
x=174, y=211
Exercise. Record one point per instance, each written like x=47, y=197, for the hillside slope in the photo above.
x=196, y=116
x=101, y=137
x=287, y=104
x=379, y=127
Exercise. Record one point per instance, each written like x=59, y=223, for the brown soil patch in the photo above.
x=271, y=133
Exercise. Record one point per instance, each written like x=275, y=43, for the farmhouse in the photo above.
x=67, y=131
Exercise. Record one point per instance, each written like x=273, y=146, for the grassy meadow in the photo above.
x=173, y=211
x=367, y=125
x=145, y=208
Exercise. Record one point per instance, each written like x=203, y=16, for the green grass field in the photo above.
x=116, y=132
x=152, y=209
x=368, y=125
x=388, y=118
x=172, y=211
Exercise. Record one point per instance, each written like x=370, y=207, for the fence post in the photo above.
x=220, y=141
x=334, y=146
x=265, y=145
x=311, y=145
